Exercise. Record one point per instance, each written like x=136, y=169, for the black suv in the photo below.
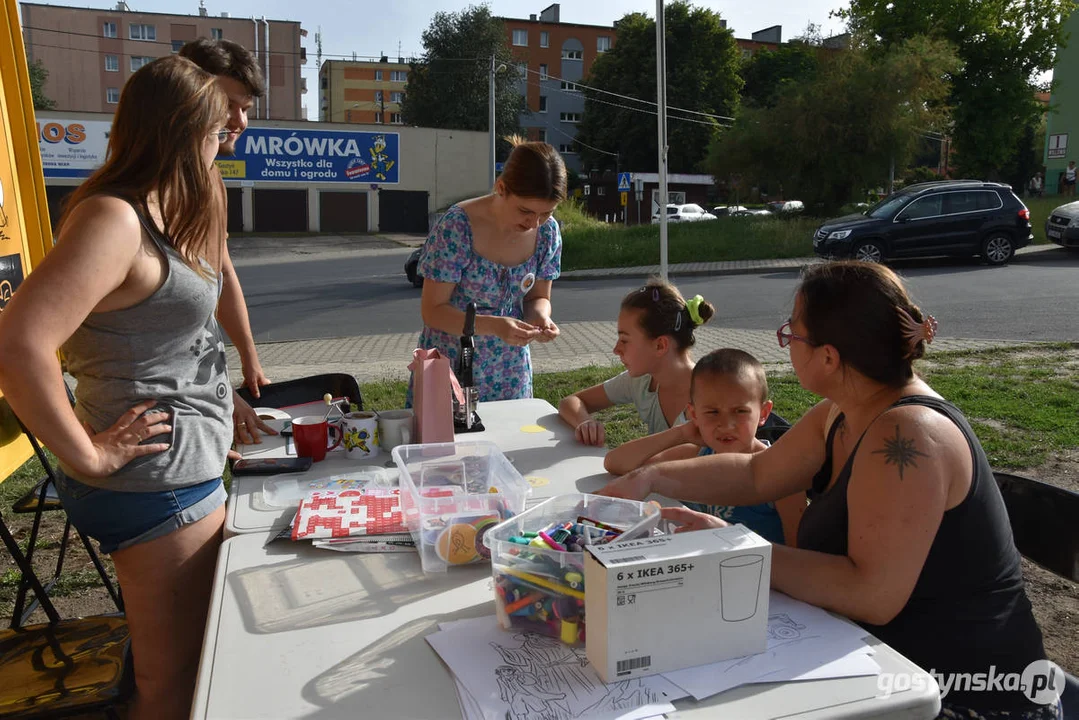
x=949, y=217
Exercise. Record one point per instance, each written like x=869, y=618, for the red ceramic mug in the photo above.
x=312, y=437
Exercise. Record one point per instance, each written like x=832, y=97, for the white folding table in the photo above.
x=528, y=432
x=299, y=632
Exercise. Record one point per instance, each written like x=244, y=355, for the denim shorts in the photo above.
x=118, y=520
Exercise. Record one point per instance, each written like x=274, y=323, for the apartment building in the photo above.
x=362, y=91
x=90, y=53
x=552, y=58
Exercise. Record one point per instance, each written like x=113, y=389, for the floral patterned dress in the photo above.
x=501, y=371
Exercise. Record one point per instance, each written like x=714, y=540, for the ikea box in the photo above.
x=669, y=602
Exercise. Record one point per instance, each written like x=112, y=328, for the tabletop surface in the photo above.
x=295, y=631
x=529, y=432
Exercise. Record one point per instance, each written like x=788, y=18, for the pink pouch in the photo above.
x=433, y=387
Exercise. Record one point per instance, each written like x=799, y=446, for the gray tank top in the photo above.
x=167, y=348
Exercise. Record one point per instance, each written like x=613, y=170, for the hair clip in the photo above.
x=693, y=307
x=914, y=331
x=655, y=294
x=678, y=321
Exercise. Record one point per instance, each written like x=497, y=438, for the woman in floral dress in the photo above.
x=501, y=251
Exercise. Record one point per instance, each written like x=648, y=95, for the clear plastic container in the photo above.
x=452, y=495
x=286, y=491
x=542, y=589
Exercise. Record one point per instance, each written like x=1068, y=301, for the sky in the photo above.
x=373, y=27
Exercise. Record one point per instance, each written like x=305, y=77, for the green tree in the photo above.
x=448, y=87
x=767, y=72
x=1002, y=45
x=39, y=75
x=702, y=75
x=826, y=140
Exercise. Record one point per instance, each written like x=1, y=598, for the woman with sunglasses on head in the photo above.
x=138, y=259
x=656, y=327
x=906, y=532
x=501, y=251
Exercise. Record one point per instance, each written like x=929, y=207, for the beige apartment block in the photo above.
x=362, y=91
x=90, y=53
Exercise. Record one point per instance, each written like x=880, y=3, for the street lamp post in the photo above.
x=491, y=113
x=661, y=116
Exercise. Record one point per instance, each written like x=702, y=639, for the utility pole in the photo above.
x=661, y=116
x=491, y=117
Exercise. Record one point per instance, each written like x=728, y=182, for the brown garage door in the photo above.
x=280, y=210
x=402, y=211
x=235, y=197
x=342, y=212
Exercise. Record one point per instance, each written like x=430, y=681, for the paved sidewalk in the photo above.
x=730, y=267
x=377, y=357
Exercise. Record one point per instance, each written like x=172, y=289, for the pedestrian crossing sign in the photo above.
x=623, y=182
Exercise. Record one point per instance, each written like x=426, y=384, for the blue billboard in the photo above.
x=292, y=155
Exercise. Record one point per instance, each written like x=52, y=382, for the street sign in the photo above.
x=1058, y=146
x=625, y=198
x=623, y=182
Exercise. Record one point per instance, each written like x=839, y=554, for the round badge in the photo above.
x=482, y=526
x=527, y=282
x=457, y=544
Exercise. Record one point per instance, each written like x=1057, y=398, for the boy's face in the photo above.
x=727, y=411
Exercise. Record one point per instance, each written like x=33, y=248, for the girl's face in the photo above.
x=521, y=214
x=638, y=352
x=211, y=144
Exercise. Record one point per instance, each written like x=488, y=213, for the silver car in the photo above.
x=1062, y=227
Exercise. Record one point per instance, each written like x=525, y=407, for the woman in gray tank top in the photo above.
x=129, y=295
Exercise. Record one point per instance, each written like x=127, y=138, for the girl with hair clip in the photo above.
x=655, y=333
x=501, y=251
x=906, y=532
x=138, y=258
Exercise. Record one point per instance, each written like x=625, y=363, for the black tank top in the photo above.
x=968, y=610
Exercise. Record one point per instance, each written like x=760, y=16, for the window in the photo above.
x=522, y=72
x=395, y=118
x=108, y=29
x=112, y=63
x=543, y=71
x=570, y=87
x=566, y=149
x=601, y=189
x=176, y=46
x=112, y=95
x=543, y=103
x=138, y=61
x=397, y=97
x=570, y=117
x=542, y=135
x=571, y=54
x=603, y=43
x=971, y=201
x=378, y=118
x=378, y=75
x=398, y=75
x=925, y=207
x=520, y=38
x=141, y=32
x=378, y=96
x=216, y=34
x=545, y=38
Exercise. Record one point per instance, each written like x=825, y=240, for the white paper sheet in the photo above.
x=802, y=639
x=525, y=676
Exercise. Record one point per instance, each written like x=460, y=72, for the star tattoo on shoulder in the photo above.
x=899, y=451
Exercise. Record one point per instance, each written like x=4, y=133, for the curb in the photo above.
x=644, y=272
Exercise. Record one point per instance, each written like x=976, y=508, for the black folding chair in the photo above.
x=1045, y=525
x=304, y=390
x=62, y=667
x=774, y=426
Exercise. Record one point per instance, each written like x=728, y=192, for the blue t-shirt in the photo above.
x=762, y=519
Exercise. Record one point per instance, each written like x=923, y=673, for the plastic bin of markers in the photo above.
x=542, y=589
x=452, y=494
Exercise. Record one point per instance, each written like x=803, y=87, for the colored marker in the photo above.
x=555, y=545
x=543, y=582
x=589, y=521
x=527, y=600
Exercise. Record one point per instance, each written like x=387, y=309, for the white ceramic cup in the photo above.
x=395, y=428
x=360, y=435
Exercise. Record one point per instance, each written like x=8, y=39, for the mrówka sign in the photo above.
x=339, y=156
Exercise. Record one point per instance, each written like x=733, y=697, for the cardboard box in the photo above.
x=665, y=603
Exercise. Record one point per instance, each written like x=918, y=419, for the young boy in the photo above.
x=728, y=403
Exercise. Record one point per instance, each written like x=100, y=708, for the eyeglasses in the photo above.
x=222, y=135
x=785, y=336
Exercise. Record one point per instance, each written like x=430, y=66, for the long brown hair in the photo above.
x=166, y=110
x=664, y=312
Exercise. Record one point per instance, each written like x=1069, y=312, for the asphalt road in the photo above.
x=1036, y=297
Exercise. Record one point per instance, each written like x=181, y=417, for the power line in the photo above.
x=653, y=113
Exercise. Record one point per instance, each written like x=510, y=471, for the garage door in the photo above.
x=342, y=212
x=402, y=211
x=235, y=197
x=280, y=210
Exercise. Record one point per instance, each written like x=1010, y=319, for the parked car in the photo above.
x=684, y=213
x=786, y=206
x=752, y=212
x=1062, y=227
x=727, y=210
x=947, y=217
x=410, y=268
